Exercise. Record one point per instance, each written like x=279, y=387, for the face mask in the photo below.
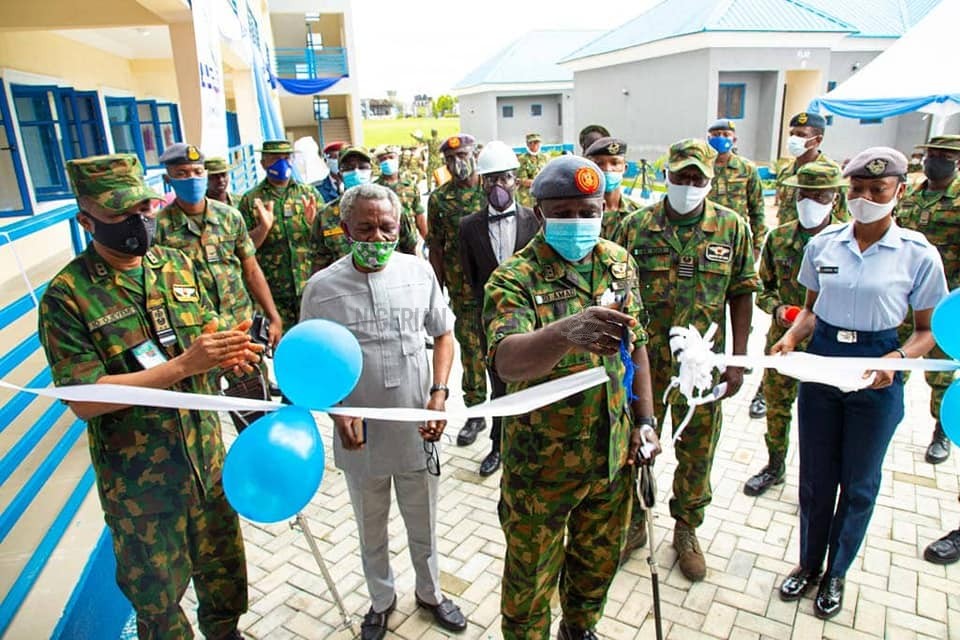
x=372, y=255
x=722, y=144
x=499, y=197
x=573, y=238
x=684, y=199
x=190, y=190
x=812, y=213
x=132, y=236
x=797, y=146
x=463, y=169
x=938, y=169
x=334, y=165
x=865, y=211
x=389, y=167
x=280, y=170
x=612, y=180
x=356, y=177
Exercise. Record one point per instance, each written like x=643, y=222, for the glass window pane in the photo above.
x=123, y=140
x=149, y=144
x=66, y=108
x=119, y=112
x=86, y=108
x=143, y=110
x=37, y=146
x=10, y=199
x=31, y=108
x=91, y=139
x=736, y=102
x=163, y=113
x=169, y=137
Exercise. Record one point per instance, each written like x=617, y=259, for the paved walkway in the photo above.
x=751, y=544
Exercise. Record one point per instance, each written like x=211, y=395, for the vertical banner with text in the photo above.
x=213, y=102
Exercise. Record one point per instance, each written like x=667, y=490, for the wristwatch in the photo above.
x=646, y=421
x=441, y=387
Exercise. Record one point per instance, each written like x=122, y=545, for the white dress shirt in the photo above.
x=503, y=232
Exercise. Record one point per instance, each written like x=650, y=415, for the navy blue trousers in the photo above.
x=843, y=439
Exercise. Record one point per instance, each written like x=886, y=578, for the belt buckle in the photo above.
x=847, y=337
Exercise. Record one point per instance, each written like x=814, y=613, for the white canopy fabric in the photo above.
x=916, y=73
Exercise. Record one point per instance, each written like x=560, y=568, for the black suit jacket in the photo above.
x=476, y=253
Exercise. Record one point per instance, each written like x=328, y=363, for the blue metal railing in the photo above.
x=309, y=64
x=246, y=170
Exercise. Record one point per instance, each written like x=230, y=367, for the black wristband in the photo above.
x=646, y=421
x=441, y=387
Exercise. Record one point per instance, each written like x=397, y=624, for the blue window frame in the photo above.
x=233, y=130
x=14, y=199
x=36, y=115
x=730, y=100
x=81, y=123
x=125, y=126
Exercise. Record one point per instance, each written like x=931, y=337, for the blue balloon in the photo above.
x=318, y=363
x=275, y=466
x=950, y=412
x=946, y=324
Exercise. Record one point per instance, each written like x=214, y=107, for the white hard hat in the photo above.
x=496, y=157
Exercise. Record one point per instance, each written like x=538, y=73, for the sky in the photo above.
x=427, y=46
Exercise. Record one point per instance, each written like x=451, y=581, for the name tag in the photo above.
x=287, y=210
x=825, y=269
x=110, y=318
x=212, y=254
x=184, y=293
x=336, y=231
x=148, y=355
x=719, y=252
x=555, y=296
x=651, y=251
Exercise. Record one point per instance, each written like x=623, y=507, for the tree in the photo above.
x=444, y=104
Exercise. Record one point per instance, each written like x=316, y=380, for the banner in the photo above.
x=213, y=101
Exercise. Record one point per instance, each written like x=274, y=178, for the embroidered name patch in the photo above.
x=555, y=296
x=110, y=318
x=336, y=231
x=823, y=269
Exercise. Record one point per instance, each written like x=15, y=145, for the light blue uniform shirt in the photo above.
x=870, y=291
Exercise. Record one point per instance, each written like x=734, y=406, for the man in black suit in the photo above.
x=487, y=238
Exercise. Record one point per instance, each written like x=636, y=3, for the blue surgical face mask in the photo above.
x=612, y=180
x=190, y=190
x=356, y=177
x=389, y=167
x=280, y=170
x=572, y=238
x=721, y=143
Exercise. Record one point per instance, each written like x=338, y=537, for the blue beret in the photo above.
x=807, y=119
x=181, y=153
x=455, y=142
x=568, y=177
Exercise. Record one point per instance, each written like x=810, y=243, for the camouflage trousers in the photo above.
x=779, y=391
x=158, y=554
x=535, y=516
x=691, y=479
x=467, y=331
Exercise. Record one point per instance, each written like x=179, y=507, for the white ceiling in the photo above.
x=127, y=42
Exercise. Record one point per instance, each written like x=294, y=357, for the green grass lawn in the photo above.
x=392, y=131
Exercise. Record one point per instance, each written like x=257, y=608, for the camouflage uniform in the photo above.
x=564, y=464
x=530, y=165
x=736, y=185
x=447, y=205
x=412, y=206
x=612, y=217
x=688, y=283
x=158, y=470
x=787, y=195
x=285, y=255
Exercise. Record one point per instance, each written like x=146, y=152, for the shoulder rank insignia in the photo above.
x=619, y=270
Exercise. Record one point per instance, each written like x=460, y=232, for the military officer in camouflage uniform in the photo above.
x=531, y=162
x=933, y=208
x=414, y=218
x=125, y=312
x=411, y=168
x=563, y=304
x=695, y=258
x=447, y=205
x=806, y=136
x=218, y=181
x=279, y=213
x=817, y=186
x=435, y=158
x=610, y=154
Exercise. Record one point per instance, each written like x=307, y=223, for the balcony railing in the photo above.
x=309, y=64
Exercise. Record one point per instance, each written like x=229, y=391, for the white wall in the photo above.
x=513, y=130
x=478, y=115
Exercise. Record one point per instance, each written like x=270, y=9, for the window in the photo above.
x=159, y=128
x=321, y=108
x=37, y=117
x=730, y=101
x=507, y=111
x=81, y=124
x=871, y=121
x=233, y=130
x=536, y=110
x=125, y=126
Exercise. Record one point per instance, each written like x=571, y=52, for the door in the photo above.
x=36, y=115
x=13, y=184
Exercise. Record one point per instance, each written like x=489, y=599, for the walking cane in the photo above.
x=301, y=523
x=647, y=495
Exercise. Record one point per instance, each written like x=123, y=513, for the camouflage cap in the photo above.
x=181, y=153
x=568, y=177
x=947, y=143
x=817, y=175
x=533, y=137
x=455, y=142
x=217, y=165
x=607, y=147
x=692, y=152
x=723, y=125
x=384, y=149
x=276, y=146
x=115, y=182
x=355, y=151
x=877, y=162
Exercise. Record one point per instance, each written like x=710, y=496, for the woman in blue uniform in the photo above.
x=861, y=277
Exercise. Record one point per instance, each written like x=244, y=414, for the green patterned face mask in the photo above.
x=372, y=255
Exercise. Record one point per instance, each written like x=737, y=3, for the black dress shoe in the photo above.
x=374, y=625
x=490, y=464
x=946, y=550
x=939, y=448
x=797, y=584
x=447, y=614
x=829, y=599
x=566, y=632
x=758, y=484
x=468, y=434
x=758, y=406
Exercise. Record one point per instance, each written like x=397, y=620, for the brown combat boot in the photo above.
x=690, y=557
x=636, y=537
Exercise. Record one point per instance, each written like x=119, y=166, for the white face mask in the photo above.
x=865, y=211
x=684, y=199
x=812, y=213
x=797, y=146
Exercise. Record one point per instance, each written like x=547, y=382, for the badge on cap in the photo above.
x=802, y=119
x=453, y=142
x=876, y=167
x=193, y=153
x=586, y=179
x=614, y=148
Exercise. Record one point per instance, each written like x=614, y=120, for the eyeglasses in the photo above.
x=433, y=458
x=506, y=178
